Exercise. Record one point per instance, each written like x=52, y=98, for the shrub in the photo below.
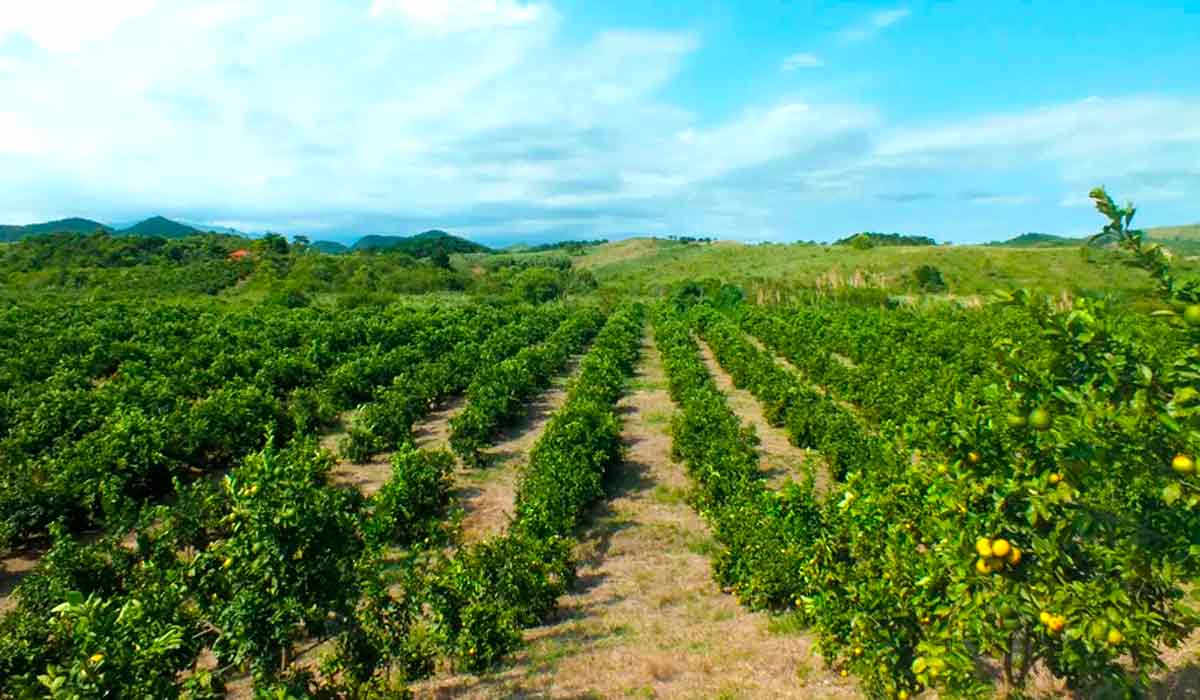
x=411, y=505
x=929, y=279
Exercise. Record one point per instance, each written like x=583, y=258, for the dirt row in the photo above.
x=646, y=618
x=780, y=460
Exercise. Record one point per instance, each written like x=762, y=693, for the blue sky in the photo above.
x=508, y=120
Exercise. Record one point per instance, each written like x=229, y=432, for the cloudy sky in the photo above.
x=510, y=120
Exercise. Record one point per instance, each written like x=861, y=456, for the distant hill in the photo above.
x=1182, y=240
x=208, y=228
x=160, y=227
x=556, y=245
x=1038, y=240
x=329, y=247
x=71, y=225
x=1166, y=234
x=422, y=245
x=1174, y=233
x=870, y=239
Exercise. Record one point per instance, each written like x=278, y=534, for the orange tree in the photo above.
x=483, y=596
x=498, y=393
x=1055, y=524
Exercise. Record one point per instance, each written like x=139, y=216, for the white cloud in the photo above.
x=1090, y=134
x=887, y=18
x=801, y=60
x=67, y=25
x=873, y=25
x=331, y=119
x=448, y=16
x=762, y=136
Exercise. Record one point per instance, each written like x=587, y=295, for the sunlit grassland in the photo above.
x=645, y=266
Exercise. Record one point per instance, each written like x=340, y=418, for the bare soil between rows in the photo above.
x=646, y=618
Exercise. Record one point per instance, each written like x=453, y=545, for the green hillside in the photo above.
x=329, y=247
x=422, y=245
x=870, y=239
x=1038, y=240
x=160, y=227
x=1181, y=240
x=652, y=266
x=1169, y=233
x=69, y=225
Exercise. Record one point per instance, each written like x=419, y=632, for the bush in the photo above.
x=538, y=285
x=410, y=506
x=287, y=298
x=929, y=279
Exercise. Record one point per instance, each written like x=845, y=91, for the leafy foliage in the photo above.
x=491, y=590
x=1012, y=489
x=929, y=279
x=287, y=560
x=410, y=506
x=870, y=239
x=1038, y=511
x=498, y=393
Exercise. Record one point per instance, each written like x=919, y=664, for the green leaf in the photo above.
x=1171, y=493
x=1169, y=422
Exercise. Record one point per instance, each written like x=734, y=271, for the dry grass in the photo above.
x=646, y=618
x=619, y=252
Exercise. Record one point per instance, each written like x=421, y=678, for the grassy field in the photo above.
x=650, y=266
x=1175, y=233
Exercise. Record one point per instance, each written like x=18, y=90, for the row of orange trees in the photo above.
x=386, y=422
x=1039, y=512
x=498, y=393
x=493, y=589
x=102, y=405
x=250, y=572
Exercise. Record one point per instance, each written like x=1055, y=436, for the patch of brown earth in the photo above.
x=646, y=618
x=433, y=430
x=368, y=477
x=13, y=569
x=1181, y=680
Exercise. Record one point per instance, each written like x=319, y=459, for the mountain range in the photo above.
x=422, y=245
x=154, y=226
x=434, y=241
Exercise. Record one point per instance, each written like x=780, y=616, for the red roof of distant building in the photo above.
x=239, y=254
